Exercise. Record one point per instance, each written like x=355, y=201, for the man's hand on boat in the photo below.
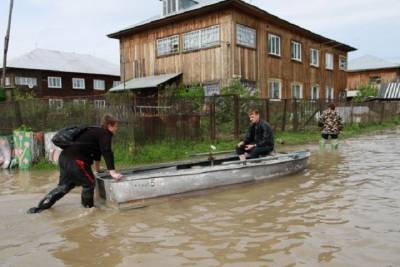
x=249, y=147
x=117, y=176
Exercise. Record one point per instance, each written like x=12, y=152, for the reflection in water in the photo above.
x=343, y=210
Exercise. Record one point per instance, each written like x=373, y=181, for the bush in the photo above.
x=2, y=94
x=365, y=92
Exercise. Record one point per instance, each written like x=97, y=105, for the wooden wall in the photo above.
x=258, y=65
x=197, y=66
x=356, y=79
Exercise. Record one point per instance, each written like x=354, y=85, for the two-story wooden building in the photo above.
x=54, y=74
x=213, y=42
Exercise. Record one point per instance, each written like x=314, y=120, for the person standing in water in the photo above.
x=76, y=162
x=331, y=124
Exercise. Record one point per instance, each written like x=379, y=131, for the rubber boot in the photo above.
x=322, y=143
x=334, y=144
x=52, y=197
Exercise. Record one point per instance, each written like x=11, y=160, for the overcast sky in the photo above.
x=372, y=26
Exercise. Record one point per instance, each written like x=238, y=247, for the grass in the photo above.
x=131, y=155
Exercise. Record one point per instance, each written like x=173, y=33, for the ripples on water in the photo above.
x=343, y=210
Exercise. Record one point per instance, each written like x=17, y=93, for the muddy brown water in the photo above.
x=343, y=210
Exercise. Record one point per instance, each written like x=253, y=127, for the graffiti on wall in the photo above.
x=52, y=152
x=5, y=153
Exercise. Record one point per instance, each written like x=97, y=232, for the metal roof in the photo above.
x=144, y=82
x=370, y=63
x=390, y=91
x=205, y=5
x=42, y=59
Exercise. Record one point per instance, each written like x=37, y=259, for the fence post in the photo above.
x=295, y=115
x=284, y=114
x=267, y=116
x=212, y=118
x=18, y=116
x=351, y=113
x=382, y=112
x=236, y=112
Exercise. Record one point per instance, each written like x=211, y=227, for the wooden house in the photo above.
x=212, y=42
x=55, y=75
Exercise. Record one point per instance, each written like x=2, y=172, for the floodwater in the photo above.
x=343, y=210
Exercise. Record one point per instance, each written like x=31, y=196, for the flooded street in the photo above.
x=343, y=210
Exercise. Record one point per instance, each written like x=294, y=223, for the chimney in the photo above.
x=173, y=6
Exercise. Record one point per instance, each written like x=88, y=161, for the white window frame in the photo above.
x=116, y=83
x=296, y=51
x=299, y=86
x=342, y=63
x=200, y=39
x=99, y=103
x=78, y=83
x=27, y=81
x=312, y=94
x=212, y=88
x=329, y=61
x=314, y=57
x=7, y=83
x=274, y=44
x=246, y=36
x=54, y=82
x=274, y=82
x=99, y=84
x=79, y=102
x=329, y=93
x=56, y=103
x=168, y=46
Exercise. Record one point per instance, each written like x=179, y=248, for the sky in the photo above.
x=81, y=26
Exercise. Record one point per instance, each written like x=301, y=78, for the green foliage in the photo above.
x=236, y=87
x=19, y=95
x=2, y=94
x=181, y=90
x=24, y=128
x=365, y=92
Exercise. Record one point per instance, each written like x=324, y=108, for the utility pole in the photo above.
x=6, y=41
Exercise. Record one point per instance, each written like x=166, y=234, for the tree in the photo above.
x=365, y=92
x=6, y=41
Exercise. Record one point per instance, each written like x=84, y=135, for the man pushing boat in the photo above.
x=76, y=160
x=259, y=140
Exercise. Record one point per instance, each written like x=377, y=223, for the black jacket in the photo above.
x=91, y=145
x=260, y=134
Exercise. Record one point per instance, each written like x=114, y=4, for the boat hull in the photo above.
x=170, y=181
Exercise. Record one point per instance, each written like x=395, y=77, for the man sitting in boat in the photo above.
x=259, y=140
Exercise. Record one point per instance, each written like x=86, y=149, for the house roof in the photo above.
x=145, y=82
x=42, y=59
x=206, y=6
x=370, y=63
x=390, y=91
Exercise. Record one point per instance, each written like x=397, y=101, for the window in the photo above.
x=99, y=85
x=79, y=102
x=342, y=63
x=211, y=89
x=7, y=83
x=99, y=104
x=116, y=83
x=314, y=60
x=296, y=50
x=168, y=46
x=27, y=81
x=297, y=91
x=250, y=86
x=78, y=83
x=246, y=36
x=329, y=93
x=203, y=38
x=56, y=103
x=329, y=61
x=275, y=89
x=274, y=45
x=54, y=82
x=314, y=92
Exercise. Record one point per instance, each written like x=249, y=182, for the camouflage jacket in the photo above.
x=330, y=122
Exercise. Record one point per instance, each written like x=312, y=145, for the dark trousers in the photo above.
x=326, y=136
x=72, y=173
x=255, y=152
